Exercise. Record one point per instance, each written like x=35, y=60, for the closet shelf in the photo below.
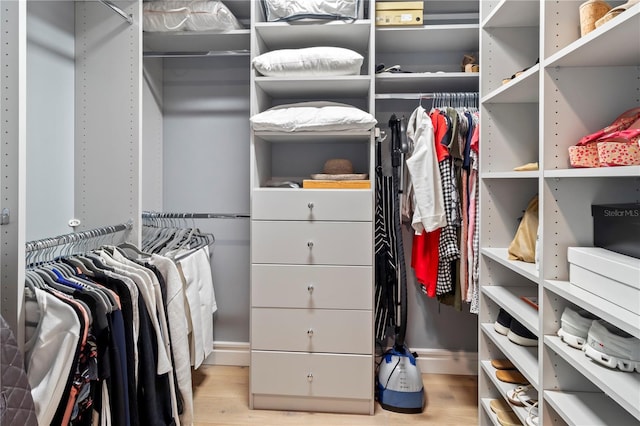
x=509, y=299
x=428, y=39
x=314, y=137
x=522, y=89
x=427, y=82
x=509, y=13
x=501, y=255
x=621, y=318
x=503, y=387
x=196, y=42
x=602, y=46
x=593, y=408
x=486, y=406
x=596, y=172
x=622, y=387
x=292, y=87
x=282, y=35
x=535, y=174
x=524, y=358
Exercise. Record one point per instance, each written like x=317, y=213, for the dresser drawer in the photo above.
x=310, y=286
x=312, y=204
x=312, y=330
x=312, y=243
x=315, y=375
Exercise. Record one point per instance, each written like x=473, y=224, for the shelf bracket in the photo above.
x=116, y=9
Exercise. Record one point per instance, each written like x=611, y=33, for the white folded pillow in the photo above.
x=312, y=116
x=309, y=61
x=193, y=15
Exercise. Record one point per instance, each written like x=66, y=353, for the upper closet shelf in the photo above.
x=602, y=46
x=283, y=35
x=426, y=82
x=292, y=87
x=522, y=89
x=428, y=38
x=510, y=13
x=622, y=171
x=501, y=255
x=330, y=136
x=196, y=42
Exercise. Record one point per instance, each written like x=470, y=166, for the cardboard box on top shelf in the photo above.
x=394, y=13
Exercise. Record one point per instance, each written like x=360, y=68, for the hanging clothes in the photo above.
x=445, y=259
x=108, y=332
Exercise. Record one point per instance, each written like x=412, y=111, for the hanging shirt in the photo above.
x=50, y=353
x=179, y=331
x=428, y=213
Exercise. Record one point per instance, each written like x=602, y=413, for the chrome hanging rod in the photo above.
x=75, y=237
x=116, y=9
x=423, y=95
x=159, y=215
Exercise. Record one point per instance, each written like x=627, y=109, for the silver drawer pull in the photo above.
x=310, y=332
x=310, y=205
x=310, y=377
x=310, y=244
x=310, y=288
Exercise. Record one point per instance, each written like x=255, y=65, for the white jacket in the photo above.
x=428, y=213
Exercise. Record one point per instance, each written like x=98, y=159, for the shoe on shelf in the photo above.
x=574, y=326
x=532, y=415
x=522, y=396
x=498, y=405
x=612, y=347
x=503, y=322
x=520, y=335
x=511, y=376
x=502, y=364
x=615, y=12
x=526, y=167
x=508, y=418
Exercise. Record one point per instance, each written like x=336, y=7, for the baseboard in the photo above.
x=442, y=361
x=432, y=361
x=229, y=353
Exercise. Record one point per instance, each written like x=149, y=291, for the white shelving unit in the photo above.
x=306, y=244
x=536, y=117
x=203, y=42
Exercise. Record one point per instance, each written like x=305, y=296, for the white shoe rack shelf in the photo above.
x=580, y=85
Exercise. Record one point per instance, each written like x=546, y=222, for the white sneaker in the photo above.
x=612, y=347
x=575, y=326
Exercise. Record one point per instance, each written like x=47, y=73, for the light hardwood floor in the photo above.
x=221, y=397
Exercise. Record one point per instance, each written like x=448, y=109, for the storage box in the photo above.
x=611, y=276
x=399, y=13
x=336, y=184
x=616, y=227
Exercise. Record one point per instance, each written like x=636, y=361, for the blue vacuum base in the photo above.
x=401, y=402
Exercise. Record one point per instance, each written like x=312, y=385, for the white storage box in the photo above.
x=614, y=277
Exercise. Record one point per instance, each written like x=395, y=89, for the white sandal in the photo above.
x=522, y=396
x=532, y=415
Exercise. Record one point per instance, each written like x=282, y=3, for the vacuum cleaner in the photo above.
x=399, y=380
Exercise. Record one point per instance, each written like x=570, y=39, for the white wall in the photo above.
x=50, y=118
x=206, y=170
